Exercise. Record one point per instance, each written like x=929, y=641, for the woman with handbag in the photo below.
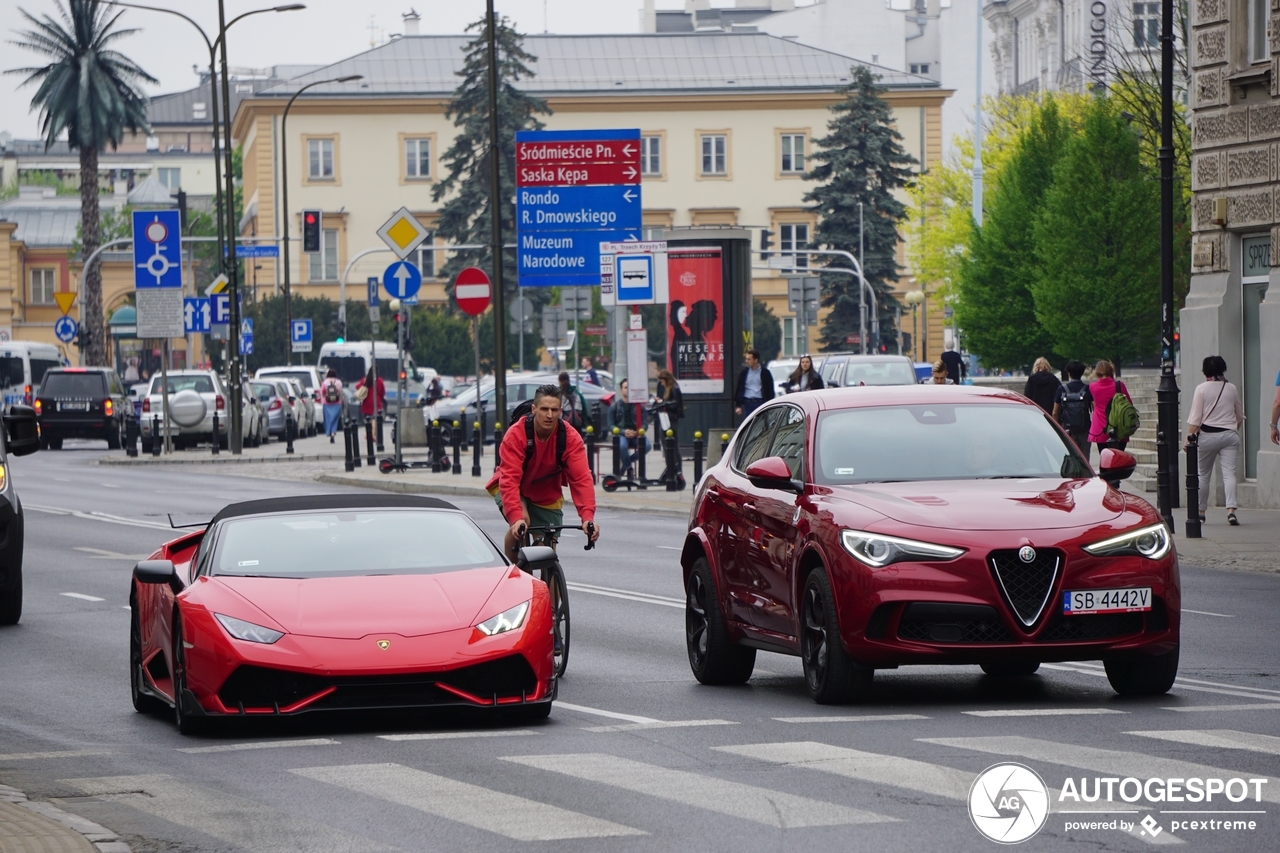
x=804, y=377
x=1216, y=416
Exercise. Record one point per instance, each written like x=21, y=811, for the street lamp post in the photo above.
x=1167, y=393
x=495, y=209
x=284, y=200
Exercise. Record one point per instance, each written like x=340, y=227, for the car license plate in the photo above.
x=65, y=406
x=1130, y=600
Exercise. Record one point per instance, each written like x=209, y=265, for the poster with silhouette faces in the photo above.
x=695, y=326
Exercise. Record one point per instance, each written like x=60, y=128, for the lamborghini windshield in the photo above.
x=335, y=543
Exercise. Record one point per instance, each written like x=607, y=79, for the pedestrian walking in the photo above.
x=1217, y=415
x=957, y=370
x=573, y=406
x=938, y=375
x=588, y=372
x=804, y=377
x=1103, y=390
x=755, y=385
x=670, y=394
x=1073, y=406
x=331, y=395
x=377, y=395
x=1042, y=386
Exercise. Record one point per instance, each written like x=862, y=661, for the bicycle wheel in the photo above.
x=559, y=619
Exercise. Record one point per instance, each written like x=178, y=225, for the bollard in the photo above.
x=368, y=444
x=466, y=445
x=433, y=446
x=131, y=437
x=215, y=441
x=349, y=463
x=1193, y=486
x=724, y=443
x=697, y=457
x=476, y=448
x=591, y=452
x=354, y=426
x=497, y=445
x=156, y=438
x=290, y=432
x=617, y=452
x=669, y=451
x=641, y=453
x=381, y=446
x=457, y=448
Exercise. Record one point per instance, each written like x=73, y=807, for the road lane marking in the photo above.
x=483, y=808
x=1243, y=706
x=62, y=753
x=81, y=596
x=921, y=776
x=1208, y=613
x=746, y=802
x=264, y=744
x=1184, y=680
x=863, y=718
x=239, y=821
x=1043, y=712
x=98, y=516
x=458, y=735
x=99, y=554
x=1218, y=739
x=612, y=715
x=670, y=548
x=1183, y=684
x=629, y=595
x=670, y=724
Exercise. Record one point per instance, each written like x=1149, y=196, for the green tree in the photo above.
x=766, y=330
x=860, y=160
x=1097, y=290
x=995, y=307
x=91, y=93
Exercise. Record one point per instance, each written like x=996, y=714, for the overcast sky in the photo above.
x=326, y=31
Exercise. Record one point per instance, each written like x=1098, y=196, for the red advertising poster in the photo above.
x=695, y=324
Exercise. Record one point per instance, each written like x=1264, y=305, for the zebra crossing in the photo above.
x=720, y=779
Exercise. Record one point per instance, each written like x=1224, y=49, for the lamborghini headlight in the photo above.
x=507, y=620
x=1152, y=542
x=878, y=550
x=247, y=631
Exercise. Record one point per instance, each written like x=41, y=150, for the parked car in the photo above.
x=520, y=387
x=308, y=376
x=306, y=409
x=279, y=403
x=194, y=396
x=845, y=370
x=255, y=423
x=82, y=402
x=19, y=436
x=23, y=365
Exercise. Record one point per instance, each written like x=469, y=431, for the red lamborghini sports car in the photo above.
x=337, y=603
x=867, y=528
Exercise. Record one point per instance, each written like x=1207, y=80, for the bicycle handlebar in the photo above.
x=526, y=529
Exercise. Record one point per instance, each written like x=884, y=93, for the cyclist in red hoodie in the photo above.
x=540, y=456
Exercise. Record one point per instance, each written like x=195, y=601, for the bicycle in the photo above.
x=552, y=575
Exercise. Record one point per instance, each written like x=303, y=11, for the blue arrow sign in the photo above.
x=402, y=280
x=577, y=208
x=373, y=292
x=564, y=257
x=65, y=328
x=300, y=331
x=157, y=249
x=197, y=314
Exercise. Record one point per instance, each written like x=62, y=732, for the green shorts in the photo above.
x=538, y=515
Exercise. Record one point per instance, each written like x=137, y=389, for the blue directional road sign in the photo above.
x=246, y=336
x=244, y=250
x=402, y=280
x=65, y=328
x=373, y=292
x=197, y=314
x=157, y=249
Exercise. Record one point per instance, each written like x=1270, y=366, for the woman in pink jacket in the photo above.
x=1104, y=387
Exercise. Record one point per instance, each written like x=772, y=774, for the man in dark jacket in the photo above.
x=755, y=385
x=957, y=370
x=1073, y=407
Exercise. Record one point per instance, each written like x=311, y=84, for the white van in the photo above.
x=22, y=368
x=352, y=360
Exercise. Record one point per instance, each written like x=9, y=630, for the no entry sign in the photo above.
x=471, y=291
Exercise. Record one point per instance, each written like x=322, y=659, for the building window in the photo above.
x=417, y=158
x=324, y=263
x=170, y=179
x=714, y=148
x=1146, y=24
x=789, y=349
x=651, y=156
x=1258, y=12
x=42, y=286
x=792, y=240
x=793, y=153
x=426, y=257
x=320, y=159
x=919, y=68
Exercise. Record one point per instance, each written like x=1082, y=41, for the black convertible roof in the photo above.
x=295, y=503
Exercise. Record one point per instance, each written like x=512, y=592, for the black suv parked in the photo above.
x=82, y=402
x=18, y=437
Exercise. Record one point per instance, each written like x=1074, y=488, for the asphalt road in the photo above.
x=636, y=756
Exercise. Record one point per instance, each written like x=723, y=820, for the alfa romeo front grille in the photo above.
x=1026, y=586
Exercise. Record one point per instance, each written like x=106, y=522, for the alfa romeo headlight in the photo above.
x=1152, y=542
x=507, y=620
x=877, y=550
x=247, y=631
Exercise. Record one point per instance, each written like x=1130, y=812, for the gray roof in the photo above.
x=178, y=108
x=643, y=63
x=151, y=191
x=48, y=223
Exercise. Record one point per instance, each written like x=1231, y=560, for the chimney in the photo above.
x=411, y=19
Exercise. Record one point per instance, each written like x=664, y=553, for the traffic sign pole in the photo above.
x=495, y=210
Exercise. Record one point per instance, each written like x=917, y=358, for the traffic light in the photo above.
x=339, y=327
x=884, y=348
x=766, y=243
x=311, y=230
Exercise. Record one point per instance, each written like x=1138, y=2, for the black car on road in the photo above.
x=18, y=437
x=82, y=402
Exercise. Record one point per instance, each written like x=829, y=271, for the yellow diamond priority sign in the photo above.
x=403, y=233
x=65, y=301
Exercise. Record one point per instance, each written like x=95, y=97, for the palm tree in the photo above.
x=92, y=94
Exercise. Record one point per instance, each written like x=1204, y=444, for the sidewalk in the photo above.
x=304, y=450
x=38, y=827
x=1254, y=546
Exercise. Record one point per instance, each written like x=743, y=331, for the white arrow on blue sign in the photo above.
x=65, y=328
x=157, y=248
x=197, y=314
x=402, y=280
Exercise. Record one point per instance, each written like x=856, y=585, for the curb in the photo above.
x=127, y=462
x=102, y=839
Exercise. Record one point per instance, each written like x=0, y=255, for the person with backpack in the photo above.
x=539, y=456
x=331, y=396
x=1216, y=416
x=1073, y=406
x=1115, y=418
x=1042, y=386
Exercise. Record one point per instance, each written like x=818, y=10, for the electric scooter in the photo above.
x=661, y=423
